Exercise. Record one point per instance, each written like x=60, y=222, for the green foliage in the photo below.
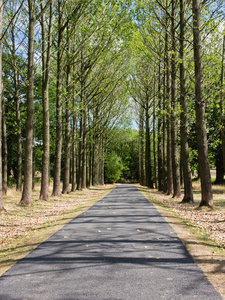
x=113, y=167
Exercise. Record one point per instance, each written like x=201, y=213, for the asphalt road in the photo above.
x=121, y=248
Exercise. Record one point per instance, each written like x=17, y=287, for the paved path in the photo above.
x=121, y=248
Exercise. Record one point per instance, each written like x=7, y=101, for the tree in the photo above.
x=46, y=52
x=174, y=142
x=206, y=185
x=188, y=193
x=113, y=168
x=1, y=94
x=28, y=162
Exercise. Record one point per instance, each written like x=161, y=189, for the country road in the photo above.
x=121, y=248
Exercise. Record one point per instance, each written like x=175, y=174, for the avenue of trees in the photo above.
x=71, y=71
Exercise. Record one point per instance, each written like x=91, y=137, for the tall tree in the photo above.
x=58, y=146
x=174, y=143
x=206, y=185
x=222, y=101
x=28, y=161
x=66, y=173
x=1, y=93
x=188, y=193
x=4, y=150
x=46, y=53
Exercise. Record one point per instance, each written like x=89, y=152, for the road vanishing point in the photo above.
x=119, y=249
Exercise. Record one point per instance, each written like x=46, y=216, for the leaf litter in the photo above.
x=18, y=221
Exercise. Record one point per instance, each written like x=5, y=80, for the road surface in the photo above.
x=121, y=248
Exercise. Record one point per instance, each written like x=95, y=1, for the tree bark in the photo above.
x=222, y=102
x=160, y=175
x=46, y=52
x=34, y=157
x=141, y=147
x=4, y=150
x=19, y=135
x=28, y=160
x=174, y=145
x=80, y=156
x=188, y=193
x=206, y=185
x=74, y=165
x=66, y=175
x=164, y=171
x=1, y=94
x=84, y=153
x=148, y=166
x=169, y=184
x=58, y=147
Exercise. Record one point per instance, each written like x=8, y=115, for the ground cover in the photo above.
x=23, y=228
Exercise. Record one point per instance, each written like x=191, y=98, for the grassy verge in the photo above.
x=24, y=228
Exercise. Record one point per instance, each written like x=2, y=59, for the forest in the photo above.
x=111, y=91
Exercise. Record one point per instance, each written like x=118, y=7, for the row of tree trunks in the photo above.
x=168, y=172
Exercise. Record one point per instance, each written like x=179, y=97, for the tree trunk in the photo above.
x=80, y=156
x=160, y=175
x=46, y=52
x=219, y=167
x=66, y=175
x=148, y=166
x=74, y=165
x=222, y=102
x=141, y=148
x=174, y=145
x=164, y=172
x=168, y=120
x=206, y=185
x=188, y=193
x=4, y=150
x=19, y=135
x=28, y=160
x=34, y=157
x=1, y=94
x=95, y=159
x=102, y=162
x=84, y=154
x=58, y=147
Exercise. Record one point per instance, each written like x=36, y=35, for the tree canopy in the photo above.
x=111, y=90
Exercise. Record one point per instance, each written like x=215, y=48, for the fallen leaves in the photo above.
x=209, y=221
x=18, y=221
